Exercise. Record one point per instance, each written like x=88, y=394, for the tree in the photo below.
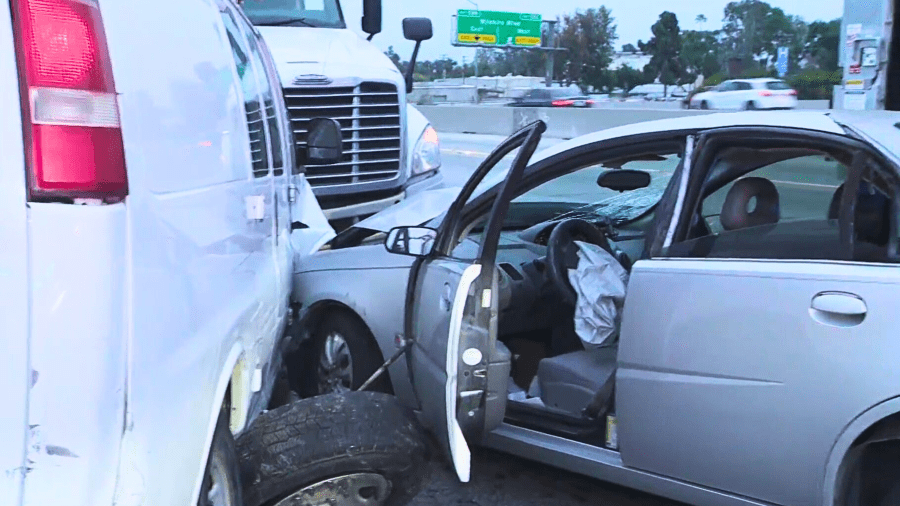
x=700, y=19
x=665, y=48
x=629, y=48
x=390, y=53
x=628, y=78
x=823, y=44
x=753, y=30
x=701, y=53
x=589, y=38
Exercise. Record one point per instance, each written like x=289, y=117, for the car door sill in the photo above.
x=602, y=464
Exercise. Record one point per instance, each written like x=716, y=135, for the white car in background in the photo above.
x=747, y=94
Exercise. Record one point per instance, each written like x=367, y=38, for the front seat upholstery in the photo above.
x=570, y=382
x=767, y=211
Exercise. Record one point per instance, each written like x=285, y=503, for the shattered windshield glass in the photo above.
x=625, y=207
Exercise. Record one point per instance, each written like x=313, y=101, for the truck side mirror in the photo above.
x=371, y=20
x=324, y=142
x=417, y=29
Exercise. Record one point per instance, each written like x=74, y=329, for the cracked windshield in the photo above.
x=467, y=252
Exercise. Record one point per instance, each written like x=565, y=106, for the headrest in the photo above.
x=735, y=214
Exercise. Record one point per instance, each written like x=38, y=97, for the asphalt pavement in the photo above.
x=504, y=480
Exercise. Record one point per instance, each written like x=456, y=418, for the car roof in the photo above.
x=880, y=127
x=816, y=121
x=757, y=80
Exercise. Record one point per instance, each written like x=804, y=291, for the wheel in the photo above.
x=357, y=448
x=704, y=105
x=221, y=484
x=344, y=355
x=750, y=106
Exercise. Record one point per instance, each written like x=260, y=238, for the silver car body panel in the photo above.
x=841, y=409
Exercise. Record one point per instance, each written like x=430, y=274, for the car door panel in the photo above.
x=452, y=320
x=737, y=397
x=736, y=374
x=443, y=288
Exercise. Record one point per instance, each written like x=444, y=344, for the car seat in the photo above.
x=736, y=213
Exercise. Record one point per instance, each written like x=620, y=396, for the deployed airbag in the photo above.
x=600, y=283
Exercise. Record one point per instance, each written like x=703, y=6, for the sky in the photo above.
x=633, y=17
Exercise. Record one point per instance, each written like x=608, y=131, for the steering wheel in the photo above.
x=562, y=253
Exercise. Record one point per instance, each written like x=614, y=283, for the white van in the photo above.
x=150, y=219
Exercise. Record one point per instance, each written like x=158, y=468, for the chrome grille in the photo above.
x=369, y=115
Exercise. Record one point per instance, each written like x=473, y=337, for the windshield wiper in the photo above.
x=288, y=21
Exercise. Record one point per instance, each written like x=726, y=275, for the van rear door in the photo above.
x=14, y=369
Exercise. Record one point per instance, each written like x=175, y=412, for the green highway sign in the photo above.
x=498, y=28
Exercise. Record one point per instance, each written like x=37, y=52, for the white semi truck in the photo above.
x=869, y=56
x=327, y=70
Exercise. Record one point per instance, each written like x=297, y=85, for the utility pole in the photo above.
x=551, y=56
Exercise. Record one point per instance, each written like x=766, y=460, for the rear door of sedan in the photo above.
x=748, y=345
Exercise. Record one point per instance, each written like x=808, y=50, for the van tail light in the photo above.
x=590, y=102
x=765, y=93
x=71, y=112
x=563, y=103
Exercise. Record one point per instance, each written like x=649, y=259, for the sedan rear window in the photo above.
x=777, y=85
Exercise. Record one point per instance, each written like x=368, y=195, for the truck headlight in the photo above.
x=427, y=155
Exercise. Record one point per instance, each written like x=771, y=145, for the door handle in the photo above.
x=838, y=309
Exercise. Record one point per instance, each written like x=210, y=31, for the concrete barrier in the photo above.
x=561, y=123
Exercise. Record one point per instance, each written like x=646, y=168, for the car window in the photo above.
x=313, y=13
x=269, y=112
x=744, y=86
x=251, y=83
x=726, y=86
x=783, y=210
x=777, y=85
x=578, y=192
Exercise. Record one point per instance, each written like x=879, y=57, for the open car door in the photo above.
x=458, y=368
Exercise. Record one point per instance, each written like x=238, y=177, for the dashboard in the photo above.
x=526, y=295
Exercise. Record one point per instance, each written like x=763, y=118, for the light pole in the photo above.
x=476, y=51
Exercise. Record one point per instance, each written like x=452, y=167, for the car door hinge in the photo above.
x=293, y=192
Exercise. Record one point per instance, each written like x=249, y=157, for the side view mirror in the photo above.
x=417, y=29
x=623, y=180
x=411, y=241
x=371, y=20
x=324, y=142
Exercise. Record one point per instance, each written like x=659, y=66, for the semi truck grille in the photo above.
x=369, y=115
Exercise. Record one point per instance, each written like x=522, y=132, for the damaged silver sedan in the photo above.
x=696, y=307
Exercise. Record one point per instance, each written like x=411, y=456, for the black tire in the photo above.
x=317, y=439
x=222, y=469
x=704, y=105
x=363, y=353
x=750, y=106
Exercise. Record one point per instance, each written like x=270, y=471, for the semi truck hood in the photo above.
x=335, y=53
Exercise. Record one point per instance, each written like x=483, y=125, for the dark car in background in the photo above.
x=553, y=97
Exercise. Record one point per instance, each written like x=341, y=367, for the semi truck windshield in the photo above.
x=314, y=13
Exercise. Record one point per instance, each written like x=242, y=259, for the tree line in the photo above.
x=745, y=46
